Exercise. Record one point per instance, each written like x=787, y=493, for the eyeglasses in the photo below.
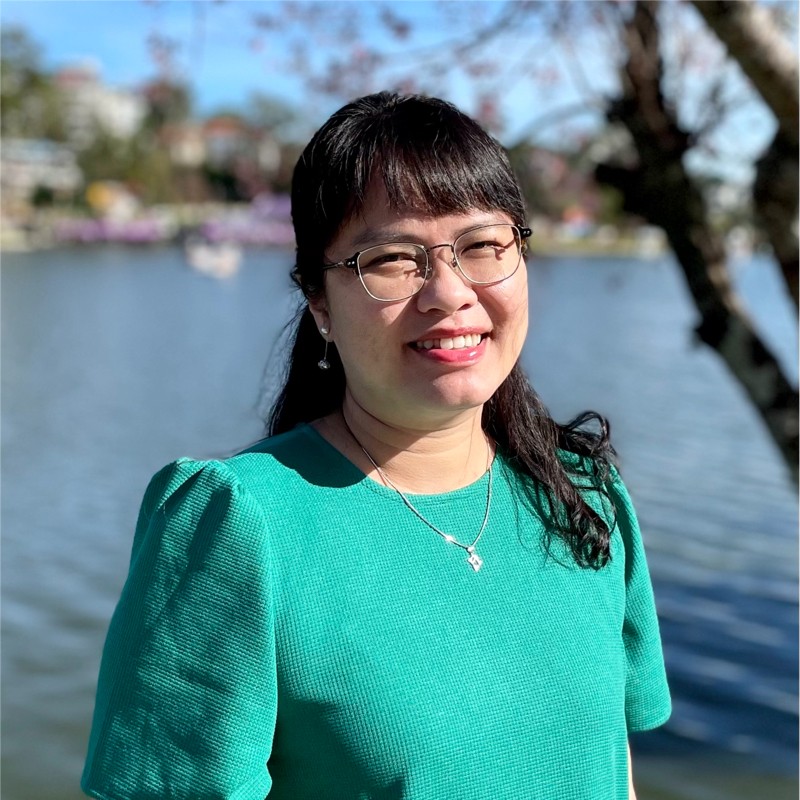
x=398, y=270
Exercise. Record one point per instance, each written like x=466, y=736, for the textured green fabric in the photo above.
x=289, y=628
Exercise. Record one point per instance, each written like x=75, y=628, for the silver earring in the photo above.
x=323, y=363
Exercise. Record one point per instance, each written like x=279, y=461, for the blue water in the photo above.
x=116, y=361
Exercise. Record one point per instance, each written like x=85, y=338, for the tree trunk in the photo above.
x=661, y=190
x=776, y=202
x=764, y=55
x=754, y=42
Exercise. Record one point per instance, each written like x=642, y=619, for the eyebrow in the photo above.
x=371, y=236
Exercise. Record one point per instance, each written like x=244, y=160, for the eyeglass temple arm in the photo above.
x=348, y=262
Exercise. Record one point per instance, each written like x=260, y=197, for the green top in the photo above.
x=289, y=628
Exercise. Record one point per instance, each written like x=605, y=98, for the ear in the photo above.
x=319, y=310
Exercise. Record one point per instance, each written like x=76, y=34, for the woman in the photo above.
x=419, y=586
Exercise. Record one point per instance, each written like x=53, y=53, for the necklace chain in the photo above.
x=474, y=560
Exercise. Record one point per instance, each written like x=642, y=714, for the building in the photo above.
x=229, y=140
x=90, y=105
x=30, y=164
x=185, y=144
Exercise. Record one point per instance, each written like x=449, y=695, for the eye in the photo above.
x=483, y=248
x=483, y=244
x=389, y=258
x=397, y=257
x=487, y=241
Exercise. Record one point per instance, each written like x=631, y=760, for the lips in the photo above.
x=460, y=342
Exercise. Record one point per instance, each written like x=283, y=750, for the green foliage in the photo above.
x=151, y=177
x=224, y=184
x=537, y=198
x=279, y=118
x=282, y=179
x=136, y=162
x=167, y=103
x=42, y=196
x=106, y=158
x=30, y=105
x=610, y=207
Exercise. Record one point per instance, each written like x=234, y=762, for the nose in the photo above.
x=446, y=289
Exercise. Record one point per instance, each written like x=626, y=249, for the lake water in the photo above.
x=116, y=361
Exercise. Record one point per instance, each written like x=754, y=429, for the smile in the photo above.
x=455, y=343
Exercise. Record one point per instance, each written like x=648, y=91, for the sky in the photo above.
x=224, y=59
x=221, y=66
x=217, y=53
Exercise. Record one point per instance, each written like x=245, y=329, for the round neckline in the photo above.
x=387, y=491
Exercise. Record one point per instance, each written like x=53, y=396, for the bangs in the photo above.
x=430, y=157
x=437, y=175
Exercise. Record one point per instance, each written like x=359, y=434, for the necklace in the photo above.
x=474, y=560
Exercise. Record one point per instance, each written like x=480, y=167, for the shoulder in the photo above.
x=197, y=511
x=599, y=481
x=270, y=455
x=281, y=459
x=179, y=477
x=243, y=484
x=188, y=483
x=605, y=491
x=300, y=437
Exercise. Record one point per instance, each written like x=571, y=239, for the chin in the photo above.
x=461, y=397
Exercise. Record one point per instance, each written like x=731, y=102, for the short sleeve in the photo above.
x=186, y=699
x=647, y=698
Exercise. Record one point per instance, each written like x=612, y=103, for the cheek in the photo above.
x=510, y=307
x=512, y=318
x=520, y=325
x=362, y=326
x=519, y=303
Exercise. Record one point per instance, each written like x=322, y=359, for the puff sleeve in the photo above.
x=647, y=698
x=186, y=699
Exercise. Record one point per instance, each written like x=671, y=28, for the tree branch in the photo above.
x=755, y=43
x=661, y=190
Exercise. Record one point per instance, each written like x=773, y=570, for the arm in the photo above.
x=647, y=700
x=631, y=790
x=186, y=699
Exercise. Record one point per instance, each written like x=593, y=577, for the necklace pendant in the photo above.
x=475, y=561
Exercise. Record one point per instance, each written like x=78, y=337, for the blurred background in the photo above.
x=146, y=153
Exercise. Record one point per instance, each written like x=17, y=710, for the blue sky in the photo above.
x=222, y=69
x=216, y=53
x=218, y=58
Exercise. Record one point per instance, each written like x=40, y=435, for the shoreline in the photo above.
x=17, y=240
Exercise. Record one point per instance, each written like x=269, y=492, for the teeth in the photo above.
x=454, y=343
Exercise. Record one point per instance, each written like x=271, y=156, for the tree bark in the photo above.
x=660, y=189
x=776, y=202
x=755, y=43
x=766, y=58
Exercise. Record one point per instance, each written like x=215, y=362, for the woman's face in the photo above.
x=390, y=372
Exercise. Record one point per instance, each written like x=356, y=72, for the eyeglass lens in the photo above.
x=485, y=255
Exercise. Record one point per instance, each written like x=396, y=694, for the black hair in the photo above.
x=433, y=158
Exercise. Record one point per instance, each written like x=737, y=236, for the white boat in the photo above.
x=215, y=259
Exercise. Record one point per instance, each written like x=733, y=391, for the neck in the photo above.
x=415, y=460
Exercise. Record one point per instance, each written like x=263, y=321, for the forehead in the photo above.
x=379, y=221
